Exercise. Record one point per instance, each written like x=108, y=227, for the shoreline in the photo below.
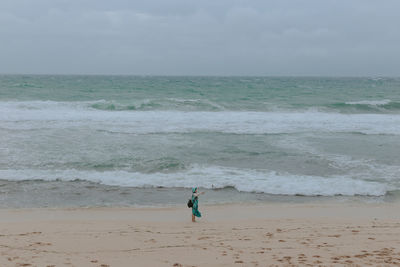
x=228, y=234
x=59, y=194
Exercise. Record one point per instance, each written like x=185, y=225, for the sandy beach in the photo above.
x=228, y=235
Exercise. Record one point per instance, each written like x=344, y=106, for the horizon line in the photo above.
x=201, y=75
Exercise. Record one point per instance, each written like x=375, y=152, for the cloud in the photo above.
x=200, y=37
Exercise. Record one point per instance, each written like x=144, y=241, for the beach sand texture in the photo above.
x=228, y=235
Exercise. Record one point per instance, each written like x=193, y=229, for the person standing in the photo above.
x=195, y=201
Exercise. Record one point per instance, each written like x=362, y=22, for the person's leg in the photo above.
x=193, y=218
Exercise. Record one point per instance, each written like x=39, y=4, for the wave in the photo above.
x=369, y=106
x=159, y=104
x=178, y=104
x=64, y=115
x=244, y=180
x=369, y=102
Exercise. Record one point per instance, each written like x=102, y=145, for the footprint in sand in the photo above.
x=337, y=236
x=31, y=233
x=362, y=255
x=40, y=244
x=302, y=258
x=269, y=235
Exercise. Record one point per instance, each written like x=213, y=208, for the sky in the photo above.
x=203, y=37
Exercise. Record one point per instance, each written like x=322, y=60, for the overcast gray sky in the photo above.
x=203, y=37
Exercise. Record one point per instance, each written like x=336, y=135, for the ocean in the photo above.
x=146, y=140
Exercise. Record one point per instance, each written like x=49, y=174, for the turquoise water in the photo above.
x=274, y=136
x=346, y=95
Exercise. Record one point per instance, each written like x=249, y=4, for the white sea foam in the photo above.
x=358, y=168
x=244, y=180
x=370, y=102
x=63, y=115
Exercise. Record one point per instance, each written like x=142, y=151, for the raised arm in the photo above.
x=198, y=194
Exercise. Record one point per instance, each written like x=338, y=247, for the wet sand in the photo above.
x=349, y=234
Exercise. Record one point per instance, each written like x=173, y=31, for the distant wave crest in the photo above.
x=64, y=115
x=369, y=106
x=159, y=104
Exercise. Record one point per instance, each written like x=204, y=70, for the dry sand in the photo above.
x=228, y=235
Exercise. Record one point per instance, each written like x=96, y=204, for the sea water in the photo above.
x=144, y=140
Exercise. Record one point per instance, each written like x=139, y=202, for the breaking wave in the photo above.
x=367, y=106
x=212, y=177
x=63, y=115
